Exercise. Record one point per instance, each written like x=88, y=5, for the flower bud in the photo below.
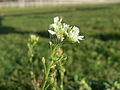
x=61, y=39
x=31, y=73
x=62, y=69
x=34, y=38
x=53, y=66
x=50, y=43
x=43, y=60
x=52, y=80
x=58, y=52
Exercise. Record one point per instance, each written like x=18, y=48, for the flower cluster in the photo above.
x=34, y=38
x=64, y=31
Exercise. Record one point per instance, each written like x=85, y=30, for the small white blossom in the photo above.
x=73, y=35
x=56, y=28
x=65, y=28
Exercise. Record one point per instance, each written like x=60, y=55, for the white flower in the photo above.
x=56, y=28
x=73, y=35
x=64, y=31
x=65, y=28
x=76, y=30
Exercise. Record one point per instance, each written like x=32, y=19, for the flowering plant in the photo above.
x=59, y=32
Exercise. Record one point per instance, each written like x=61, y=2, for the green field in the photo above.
x=96, y=59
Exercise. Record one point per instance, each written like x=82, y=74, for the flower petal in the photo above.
x=56, y=19
x=51, y=32
x=80, y=37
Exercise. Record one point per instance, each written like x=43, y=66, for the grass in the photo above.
x=97, y=58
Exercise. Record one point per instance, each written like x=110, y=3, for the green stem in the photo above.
x=53, y=51
x=61, y=82
x=49, y=68
x=46, y=75
x=61, y=75
x=61, y=78
x=46, y=78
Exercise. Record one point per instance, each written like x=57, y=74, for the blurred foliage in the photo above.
x=96, y=59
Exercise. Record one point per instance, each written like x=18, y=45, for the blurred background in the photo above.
x=23, y=3
x=96, y=59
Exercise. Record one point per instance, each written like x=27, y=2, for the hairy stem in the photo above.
x=49, y=67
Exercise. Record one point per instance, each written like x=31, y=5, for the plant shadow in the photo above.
x=108, y=36
x=10, y=30
x=38, y=13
